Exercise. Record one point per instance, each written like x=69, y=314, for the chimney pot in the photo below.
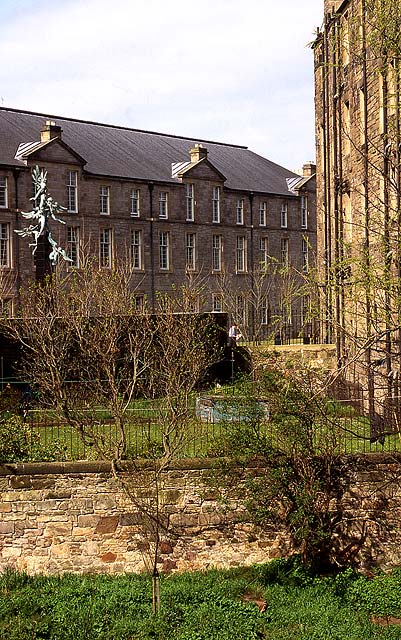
x=308, y=169
x=49, y=131
x=198, y=152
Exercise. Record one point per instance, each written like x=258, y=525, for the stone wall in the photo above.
x=75, y=517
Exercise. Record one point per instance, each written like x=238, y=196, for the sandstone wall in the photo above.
x=75, y=517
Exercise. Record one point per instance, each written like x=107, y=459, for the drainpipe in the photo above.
x=152, y=252
x=16, y=238
x=251, y=196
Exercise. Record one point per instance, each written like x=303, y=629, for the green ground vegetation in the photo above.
x=280, y=600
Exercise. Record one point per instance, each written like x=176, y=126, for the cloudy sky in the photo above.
x=237, y=71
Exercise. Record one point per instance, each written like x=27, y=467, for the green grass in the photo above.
x=143, y=437
x=215, y=605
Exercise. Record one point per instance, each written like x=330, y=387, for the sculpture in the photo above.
x=44, y=209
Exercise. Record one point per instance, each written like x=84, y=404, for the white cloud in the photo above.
x=228, y=70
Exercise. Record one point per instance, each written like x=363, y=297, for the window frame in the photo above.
x=263, y=213
x=164, y=250
x=109, y=261
x=5, y=246
x=4, y=190
x=217, y=303
x=104, y=200
x=304, y=212
x=72, y=192
x=163, y=205
x=139, y=302
x=240, y=211
x=190, y=251
x=136, y=250
x=135, y=203
x=284, y=215
x=73, y=246
x=190, y=201
x=284, y=252
x=240, y=254
x=265, y=315
x=216, y=205
x=264, y=251
x=217, y=252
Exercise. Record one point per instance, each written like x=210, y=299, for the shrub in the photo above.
x=18, y=443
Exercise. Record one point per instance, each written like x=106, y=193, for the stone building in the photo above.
x=357, y=82
x=173, y=208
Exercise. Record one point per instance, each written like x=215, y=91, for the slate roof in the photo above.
x=132, y=153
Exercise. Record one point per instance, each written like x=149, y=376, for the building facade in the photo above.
x=171, y=208
x=357, y=81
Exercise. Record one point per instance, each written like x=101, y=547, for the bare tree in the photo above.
x=85, y=346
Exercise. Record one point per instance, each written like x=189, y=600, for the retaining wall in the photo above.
x=58, y=517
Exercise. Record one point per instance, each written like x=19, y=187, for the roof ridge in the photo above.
x=116, y=126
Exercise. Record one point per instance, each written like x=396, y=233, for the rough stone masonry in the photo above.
x=58, y=517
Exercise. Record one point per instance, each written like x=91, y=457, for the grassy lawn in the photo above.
x=142, y=433
x=277, y=601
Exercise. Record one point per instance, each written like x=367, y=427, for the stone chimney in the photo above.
x=308, y=169
x=198, y=152
x=49, y=131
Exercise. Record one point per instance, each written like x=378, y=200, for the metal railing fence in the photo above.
x=339, y=427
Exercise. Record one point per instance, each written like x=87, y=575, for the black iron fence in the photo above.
x=340, y=426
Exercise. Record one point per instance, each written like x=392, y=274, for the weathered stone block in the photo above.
x=6, y=527
x=42, y=483
x=20, y=482
x=165, y=547
x=104, y=502
x=88, y=521
x=58, y=529
x=109, y=557
x=107, y=524
x=131, y=519
x=171, y=496
x=61, y=494
x=61, y=550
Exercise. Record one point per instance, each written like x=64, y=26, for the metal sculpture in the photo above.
x=45, y=208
